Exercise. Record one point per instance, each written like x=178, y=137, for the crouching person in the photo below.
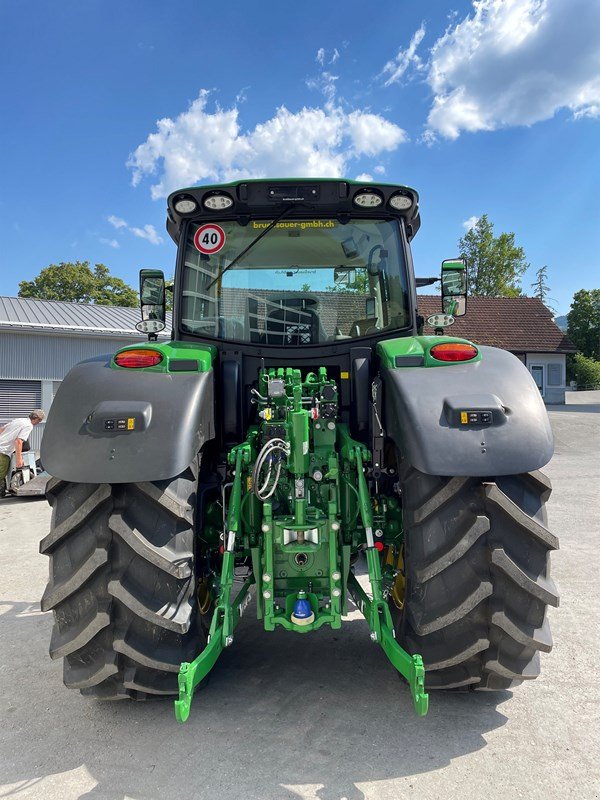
x=12, y=438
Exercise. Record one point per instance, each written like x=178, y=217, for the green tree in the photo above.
x=587, y=372
x=539, y=286
x=494, y=263
x=359, y=285
x=78, y=283
x=583, y=322
x=169, y=290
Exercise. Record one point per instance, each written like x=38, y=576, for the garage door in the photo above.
x=19, y=398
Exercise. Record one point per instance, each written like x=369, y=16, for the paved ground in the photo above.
x=314, y=717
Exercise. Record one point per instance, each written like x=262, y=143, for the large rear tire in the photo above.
x=122, y=584
x=477, y=577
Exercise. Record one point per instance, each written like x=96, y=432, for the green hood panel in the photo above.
x=415, y=351
x=177, y=356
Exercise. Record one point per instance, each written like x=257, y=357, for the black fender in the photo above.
x=424, y=415
x=125, y=425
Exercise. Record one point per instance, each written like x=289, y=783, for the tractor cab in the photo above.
x=294, y=265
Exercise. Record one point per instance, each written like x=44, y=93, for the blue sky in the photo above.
x=490, y=110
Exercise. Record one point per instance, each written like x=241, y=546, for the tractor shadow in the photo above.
x=283, y=716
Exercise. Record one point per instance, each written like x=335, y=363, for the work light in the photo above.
x=401, y=202
x=218, y=202
x=185, y=205
x=367, y=199
x=150, y=326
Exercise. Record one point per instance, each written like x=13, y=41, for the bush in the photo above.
x=587, y=372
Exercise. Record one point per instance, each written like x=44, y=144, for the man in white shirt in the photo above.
x=12, y=437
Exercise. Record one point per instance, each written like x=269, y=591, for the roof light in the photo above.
x=137, y=359
x=367, y=199
x=185, y=204
x=401, y=202
x=453, y=351
x=217, y=202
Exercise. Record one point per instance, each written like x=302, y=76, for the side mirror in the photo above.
x=454, y=287
x=152, y=302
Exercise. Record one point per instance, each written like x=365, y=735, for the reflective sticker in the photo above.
x=209, y=238
x=130, y=423
x=464, y=417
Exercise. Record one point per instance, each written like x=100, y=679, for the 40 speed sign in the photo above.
x=209, y=238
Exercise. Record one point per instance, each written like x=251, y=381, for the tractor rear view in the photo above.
x=297, y=439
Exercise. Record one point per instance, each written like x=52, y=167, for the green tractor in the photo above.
x=298, y=439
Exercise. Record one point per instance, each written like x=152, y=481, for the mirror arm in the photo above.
x=426, y=281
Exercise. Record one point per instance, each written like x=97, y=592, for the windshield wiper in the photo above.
x=254, y=241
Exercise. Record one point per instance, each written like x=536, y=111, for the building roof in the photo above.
x=518, y=324
x=56, y=316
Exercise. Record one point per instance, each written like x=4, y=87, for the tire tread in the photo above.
x=478, y=582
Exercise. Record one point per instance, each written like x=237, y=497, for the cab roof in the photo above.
x=267, y=197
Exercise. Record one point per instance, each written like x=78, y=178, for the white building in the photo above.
x=40, y=340
x=521, y=325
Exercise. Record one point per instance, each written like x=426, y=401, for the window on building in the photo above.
x=537, y=370
x=554, y=374
x=19, y=398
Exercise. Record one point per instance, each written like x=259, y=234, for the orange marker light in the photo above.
x=136, y=359
x=453, y=351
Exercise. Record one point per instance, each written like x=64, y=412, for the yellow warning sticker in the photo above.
x=344, y=375
x=464, y=417
x=131, y=423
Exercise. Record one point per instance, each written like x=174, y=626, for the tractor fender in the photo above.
x=110, y=425
x=424, y=410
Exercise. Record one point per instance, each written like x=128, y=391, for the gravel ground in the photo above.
x=322, y=716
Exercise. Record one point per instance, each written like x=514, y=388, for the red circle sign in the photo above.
x=209, y=238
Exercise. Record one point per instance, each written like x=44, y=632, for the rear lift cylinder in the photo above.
x=299, y=455
x=299, y=461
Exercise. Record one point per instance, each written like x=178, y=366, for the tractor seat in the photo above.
x=292, y=326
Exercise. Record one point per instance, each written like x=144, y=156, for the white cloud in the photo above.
x=110, y=242
x=470, y=223
x=364, y=177
x=379, y=169
x=203, y=145
x=148, y=232
x=325, y=83
x=395, y=69
x=515, y=62
x=322, y=58
x=242, y=95
x=117, y=222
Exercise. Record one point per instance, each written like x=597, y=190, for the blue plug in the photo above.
x=302, y=614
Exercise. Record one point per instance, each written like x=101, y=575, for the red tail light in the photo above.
x=453, y=351
x=138, y=358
